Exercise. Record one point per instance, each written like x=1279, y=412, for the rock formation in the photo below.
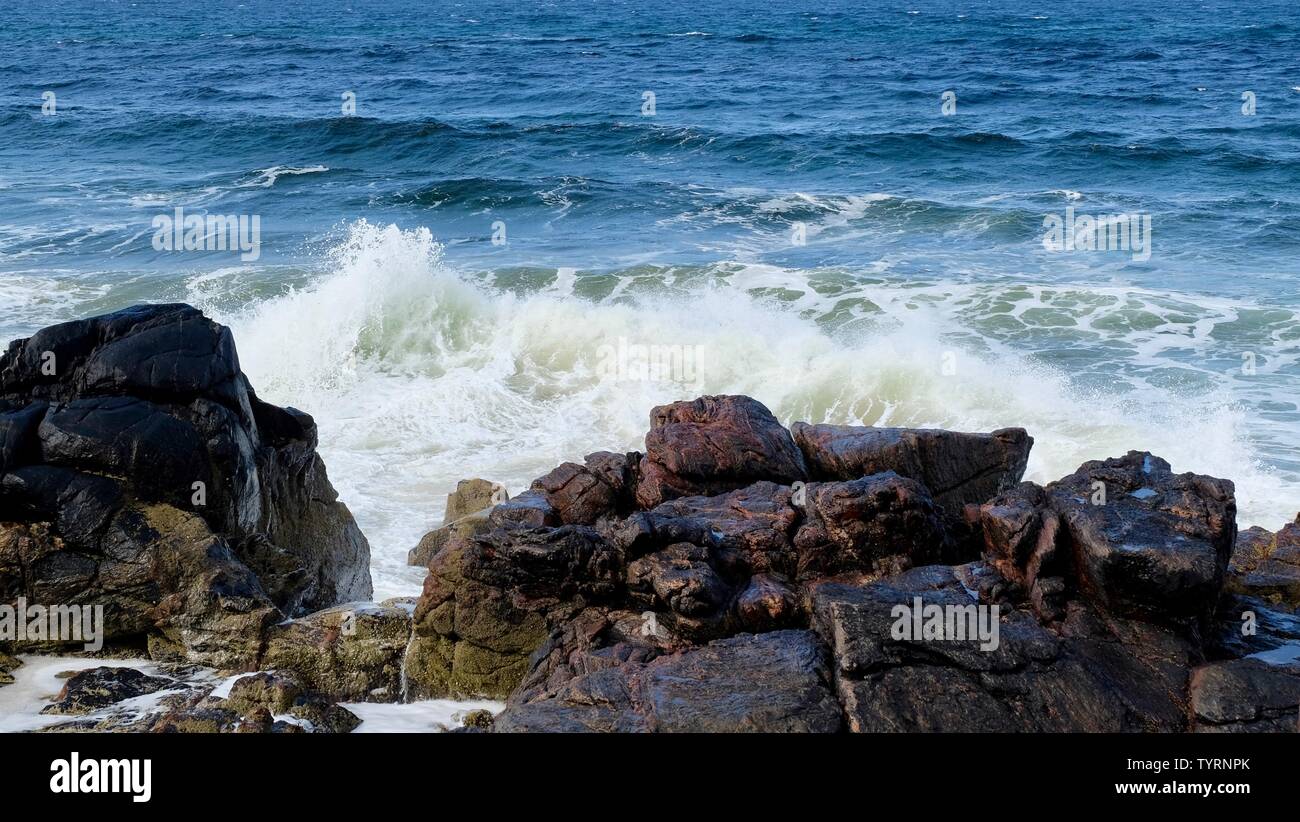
x=140, y=472
x=736, y=576
x=725, y=581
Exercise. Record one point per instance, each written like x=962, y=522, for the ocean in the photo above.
x=477, y=223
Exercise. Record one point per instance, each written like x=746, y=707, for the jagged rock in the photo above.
x=712, y=445
x=1022, y=533
x=752, y=527
x=434, y=541
x=466, y=514
x=877, y=524
x=1128, y=533
x=486, y=601
x=958, y=469
x=7, y=665
x=1252, y=627
x=767, y=603
x=1159, y=545
x=349, y=653
x=1267, y=565
x=583, y=494
x=1246, y=695
x=1093, y=676
x=530, y=509
x=270, y=692
x=95, y=688
x=472, y=496
x=773, y=682
x=680, y=577
x=140, y=472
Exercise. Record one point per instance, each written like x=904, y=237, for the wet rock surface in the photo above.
x=140, y=472
x=466, y=514
x=1090, y=604
x=736, y=576
x=90, y=690
x=958, y=469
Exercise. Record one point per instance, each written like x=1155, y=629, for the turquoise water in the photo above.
x=797, y=212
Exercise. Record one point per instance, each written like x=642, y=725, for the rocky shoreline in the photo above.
x=735, y=576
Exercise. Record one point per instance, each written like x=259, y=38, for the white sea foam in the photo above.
x=37, y=683
x=415, y=717
x=267, y=177
x=419, y=377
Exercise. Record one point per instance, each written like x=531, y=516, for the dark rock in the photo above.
x=878, y=524
x=774, y=682
x=530, y=509
x=95, y=688
x=680, y=578
x=1246, y=695
x=752, y=525
x=1091, y=677
x=1159, y=544
x=712, y=445
x=583, y=494
x=958, y=469
x=1128, y=533
x=767, y=603
x=1252, y=627
x=1267, y=565
x=140, y=472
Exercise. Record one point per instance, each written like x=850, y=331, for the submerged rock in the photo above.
x=95, y=688
x=139, y=471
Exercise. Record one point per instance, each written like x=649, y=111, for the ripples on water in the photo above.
x=428, y=353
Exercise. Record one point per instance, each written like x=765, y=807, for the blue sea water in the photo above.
x=921, y=292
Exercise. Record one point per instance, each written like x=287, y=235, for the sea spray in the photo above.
x=420, y=376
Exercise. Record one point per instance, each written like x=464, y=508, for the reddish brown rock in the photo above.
x=875, y=525
x=767, y=603
x=712, y=445
x=583, y=494
x=1128, y=533
x=957, y=468
x=753, y=526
